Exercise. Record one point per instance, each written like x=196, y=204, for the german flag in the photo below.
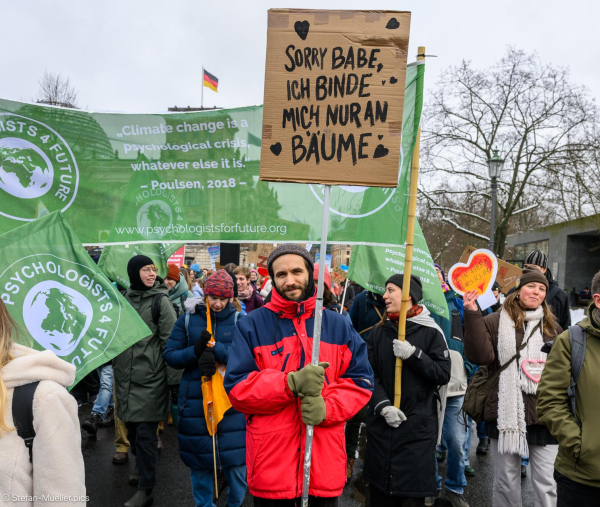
x=210, y=81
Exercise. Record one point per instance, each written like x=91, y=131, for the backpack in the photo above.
x=156, y=306
x=578, y=341
x=22, y=410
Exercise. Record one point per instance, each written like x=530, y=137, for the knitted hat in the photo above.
x=173, y=273
x=440, y=268
x=537, y=258
x=195, y=268
x=288, y=248
x=416, y=288
x=532, y=275
x=327, y=276
x=254, y=271
x=134, y=265
x=219, y=284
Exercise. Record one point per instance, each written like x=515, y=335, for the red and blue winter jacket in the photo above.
x=269, y=343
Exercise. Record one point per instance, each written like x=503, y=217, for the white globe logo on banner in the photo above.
x=154, y=216
x=37, y=169
x=25, y=170
x=57, y=316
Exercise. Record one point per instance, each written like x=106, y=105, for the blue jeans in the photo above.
x=454, y=435
x=481, y=430
x=468, y=441
x=203, y=484
x=525, y=461
x=105, y=396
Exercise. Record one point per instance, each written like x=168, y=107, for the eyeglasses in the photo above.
x=149, y=270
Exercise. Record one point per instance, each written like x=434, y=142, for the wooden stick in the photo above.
x=410, y=236
x=214, y=457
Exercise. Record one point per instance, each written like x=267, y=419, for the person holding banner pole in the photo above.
x=270, y=380
x=189, y=348
x=399, y=462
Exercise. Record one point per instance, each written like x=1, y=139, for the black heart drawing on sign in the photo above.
x=383, y=82
x=276, y=149
x=379, y=67
x=380, y=151
x=380, y=137
x=301, y=28
x=393, y=80
x=392, y=24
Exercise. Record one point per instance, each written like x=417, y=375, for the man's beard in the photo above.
x=290, y=288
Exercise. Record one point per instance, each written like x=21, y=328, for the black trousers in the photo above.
x=143, y=441
x=313, y=501
x=380, y=499
x=574, y=494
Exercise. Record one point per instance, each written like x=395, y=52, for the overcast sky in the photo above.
x=144, y=56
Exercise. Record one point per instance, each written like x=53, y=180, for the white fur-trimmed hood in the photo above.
x=31, y=365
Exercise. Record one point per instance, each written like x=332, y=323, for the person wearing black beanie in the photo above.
x=140, y=375
x=411, y=429
x=134, y=266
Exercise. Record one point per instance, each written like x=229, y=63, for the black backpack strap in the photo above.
x=577, y=340
x=156, y=307
x=553, y=292
x=22, y=409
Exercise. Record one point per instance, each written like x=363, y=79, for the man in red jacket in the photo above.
x=269, y=378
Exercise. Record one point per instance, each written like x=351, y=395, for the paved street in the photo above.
x=107, y=483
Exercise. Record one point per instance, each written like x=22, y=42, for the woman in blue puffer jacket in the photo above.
x=189, y=349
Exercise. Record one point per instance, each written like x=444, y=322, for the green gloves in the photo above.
x=313, y=410
x=308, y=381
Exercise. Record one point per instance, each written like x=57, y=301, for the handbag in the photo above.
x=481, y=384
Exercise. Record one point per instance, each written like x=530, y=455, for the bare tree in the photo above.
x=56, y=91
x=525, y=108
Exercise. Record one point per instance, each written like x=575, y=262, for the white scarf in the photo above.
x=513, y=381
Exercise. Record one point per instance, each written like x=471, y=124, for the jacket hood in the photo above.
x=375, y=300
x=31, y=365
x=589, y=323
x=179, y=290
x=287, y=309
x=160, y=287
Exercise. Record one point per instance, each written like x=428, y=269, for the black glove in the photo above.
x=207, y=363
x=200, y=345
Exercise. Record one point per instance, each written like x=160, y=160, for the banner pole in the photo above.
x=316, y=337
x=410, y=237
x=214, y=457
x=202, y=90
x=344, y=296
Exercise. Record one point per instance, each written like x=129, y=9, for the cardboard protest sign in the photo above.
x=177, y=257
x=507, y=275
x=259, y=258
x=334, y=95
x=338, y=275
x=478, y=273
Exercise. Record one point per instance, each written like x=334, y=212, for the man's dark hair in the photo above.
x=596, y=284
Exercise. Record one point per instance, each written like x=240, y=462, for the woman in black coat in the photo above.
x=399, y=461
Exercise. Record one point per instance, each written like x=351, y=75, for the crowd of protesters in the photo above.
x=254, y=329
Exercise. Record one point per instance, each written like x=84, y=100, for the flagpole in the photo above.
x=202, y=90
x=316, y=338
x=214, y=455
x=410, y=237
x=344, y=295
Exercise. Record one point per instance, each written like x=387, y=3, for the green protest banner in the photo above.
x=114, y=258
x=55, y=292
x=371, y=266
x=180, y=177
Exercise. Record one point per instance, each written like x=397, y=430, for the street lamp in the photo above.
x=495, y=165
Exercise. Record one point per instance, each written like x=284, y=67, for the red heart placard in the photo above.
x=478, y=273
x=533, y=368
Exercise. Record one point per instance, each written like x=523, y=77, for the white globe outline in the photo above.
x=14, y=142
x=110, y=286
x=163, y=206
x=362, y=189
x=27, y=306
x=76, y=186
